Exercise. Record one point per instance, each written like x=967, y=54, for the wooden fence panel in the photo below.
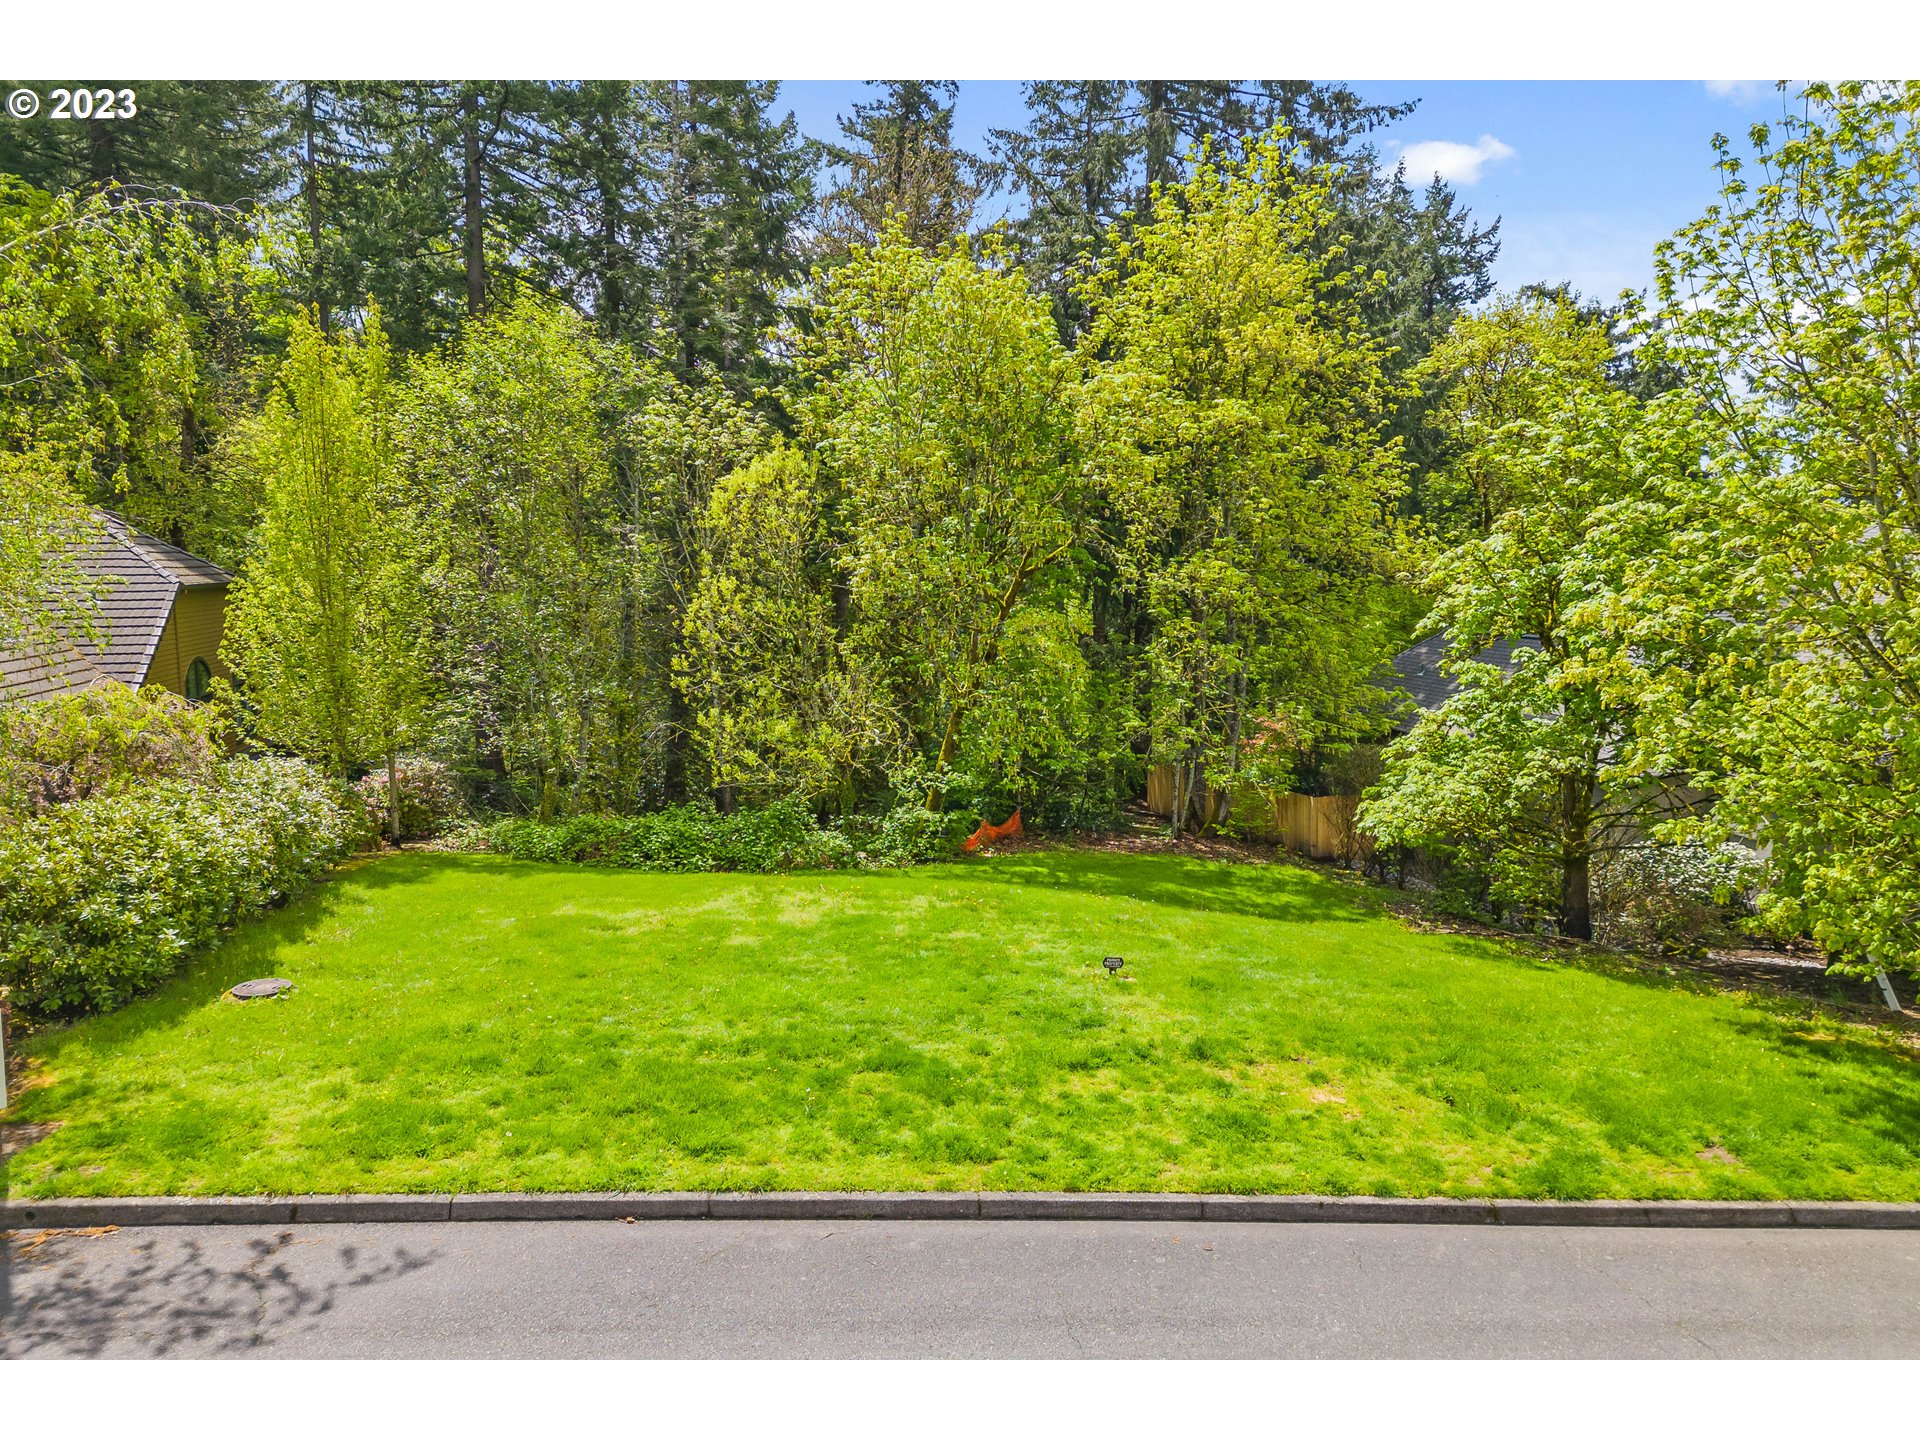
x=1160, y=790
x=1317, y=826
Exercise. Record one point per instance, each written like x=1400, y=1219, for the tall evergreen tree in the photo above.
x=593, y=246
x=1071, y=163
x=1092, y=151
x=1435, y=262
x=675, y=217
x=726, y=187
x=422, y=197
x=901, y=163
x=221, y=142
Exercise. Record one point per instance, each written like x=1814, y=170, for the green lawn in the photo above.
x=471, y=1023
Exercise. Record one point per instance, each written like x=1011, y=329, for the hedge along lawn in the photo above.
x=472, y=1023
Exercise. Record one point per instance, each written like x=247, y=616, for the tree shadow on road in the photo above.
x=179, y=1292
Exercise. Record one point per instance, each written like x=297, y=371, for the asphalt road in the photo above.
x=959, y=1288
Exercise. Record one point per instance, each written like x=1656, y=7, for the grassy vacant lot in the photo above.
x=472, y=1023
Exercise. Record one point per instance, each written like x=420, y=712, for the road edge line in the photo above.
x=78, y=1212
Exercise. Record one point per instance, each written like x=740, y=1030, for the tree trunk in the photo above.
x=393, y=797
x=189, y=445
x=1160, y=156
x=310, y=186
x=610, y=296
x=1200, y=798
x=1576, y=904
x=949, y=742
x=473, y=203
x=842, y=603
x=1576, y=915
x=679, y=726
x=1186, y=792
x=103, y=157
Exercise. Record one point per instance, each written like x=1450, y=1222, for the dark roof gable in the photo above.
x=1417, y=670
x=143, y=575
x=187, y=570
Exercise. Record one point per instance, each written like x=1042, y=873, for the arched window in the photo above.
x=199, y=680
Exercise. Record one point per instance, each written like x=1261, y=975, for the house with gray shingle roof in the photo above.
x=1417, y=671
x=160, y=613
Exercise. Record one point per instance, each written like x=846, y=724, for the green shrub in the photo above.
x=909, y=834
x=468, y=836
x=100, y=741
x=781, y=836
x=102, y=898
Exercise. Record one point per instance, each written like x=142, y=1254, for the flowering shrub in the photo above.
x=781, y=836
x=431, y=801
x=101, y=898
x=68, y=747
x=1676, y=897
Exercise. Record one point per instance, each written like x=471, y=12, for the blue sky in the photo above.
x=1585, y=175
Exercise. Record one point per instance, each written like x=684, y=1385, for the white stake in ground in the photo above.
x=1886, y=988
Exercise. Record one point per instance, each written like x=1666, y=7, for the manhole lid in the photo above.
x=259, y=989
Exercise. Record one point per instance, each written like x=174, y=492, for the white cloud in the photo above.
x=1741, y=92
x=1453, y=162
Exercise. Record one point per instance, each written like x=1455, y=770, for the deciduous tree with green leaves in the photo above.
x=1089, y=152
x=44, y=595
x=1533, y=770
x=676, y=444
x=1792, y=308
x=775, y=709
x=512, y=437
x=107, y=302
x=1234, y=420
x=940, y=404
x=326, y=626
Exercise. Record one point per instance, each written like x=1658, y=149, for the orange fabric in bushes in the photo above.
x=987, y=834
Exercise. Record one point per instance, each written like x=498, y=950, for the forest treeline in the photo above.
x=622, y=446
x=564, y=314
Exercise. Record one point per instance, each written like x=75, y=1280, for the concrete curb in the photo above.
x=1350, y=1210
x=76, y=1213
x=600, y=1205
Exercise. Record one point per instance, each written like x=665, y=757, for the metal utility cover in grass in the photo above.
x=260, y=989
